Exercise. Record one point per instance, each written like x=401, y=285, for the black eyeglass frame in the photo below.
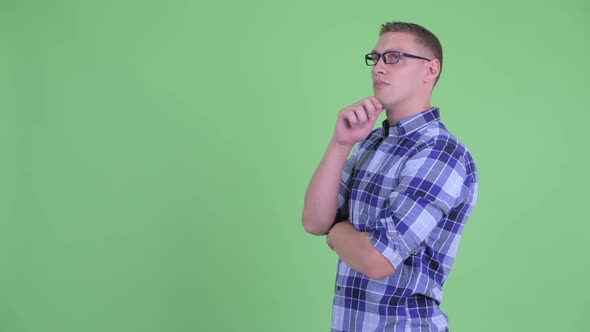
x=369, y=57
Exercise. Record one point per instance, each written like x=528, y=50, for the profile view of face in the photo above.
x=395, y=83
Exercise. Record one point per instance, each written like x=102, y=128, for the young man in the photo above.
x=395, y=209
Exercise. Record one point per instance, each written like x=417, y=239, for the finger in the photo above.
x=350, y=116
x=361, y=115
x=377, y=104
x=370, y=109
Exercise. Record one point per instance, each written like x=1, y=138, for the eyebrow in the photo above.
x=389, y=50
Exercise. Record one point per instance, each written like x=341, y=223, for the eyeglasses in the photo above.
x=390, y=57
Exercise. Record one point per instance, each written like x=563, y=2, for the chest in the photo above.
x=376, y=175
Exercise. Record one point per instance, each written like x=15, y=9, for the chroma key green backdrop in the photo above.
x=154, y=158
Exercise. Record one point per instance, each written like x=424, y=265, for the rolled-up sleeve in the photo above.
x=431, y=184
x=342, y=213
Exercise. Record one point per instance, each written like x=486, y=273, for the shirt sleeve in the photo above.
x=343, y=213
x=431, y=184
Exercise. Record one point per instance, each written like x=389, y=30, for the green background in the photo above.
x=155, y=155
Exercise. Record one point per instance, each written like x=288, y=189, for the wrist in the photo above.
x=341, y=147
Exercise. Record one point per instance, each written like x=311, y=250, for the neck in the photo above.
x=396, y=113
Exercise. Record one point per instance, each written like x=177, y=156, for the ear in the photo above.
x=432, y=71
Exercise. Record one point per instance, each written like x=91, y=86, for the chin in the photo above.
x=385, y=100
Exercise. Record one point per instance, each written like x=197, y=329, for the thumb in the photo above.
x=378, y=106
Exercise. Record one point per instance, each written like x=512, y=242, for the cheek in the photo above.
x=406, y=81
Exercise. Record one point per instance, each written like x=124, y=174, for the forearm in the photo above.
x=353, y=124
x=357, y=251
x=321, y=198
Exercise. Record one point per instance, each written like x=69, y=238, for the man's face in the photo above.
x=395, y=84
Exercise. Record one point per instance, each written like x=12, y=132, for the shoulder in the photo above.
x=435, y=136
x=434, y=141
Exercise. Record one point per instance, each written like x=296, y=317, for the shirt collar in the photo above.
x=411, y=123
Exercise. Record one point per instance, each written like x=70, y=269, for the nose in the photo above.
x=379, y=67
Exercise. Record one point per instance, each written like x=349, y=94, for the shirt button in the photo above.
x=338, y=288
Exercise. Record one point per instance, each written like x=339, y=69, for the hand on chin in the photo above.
x=386, y=101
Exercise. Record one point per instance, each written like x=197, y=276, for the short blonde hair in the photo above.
x=423, y=37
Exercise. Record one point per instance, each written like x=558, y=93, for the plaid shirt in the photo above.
x=411, y=186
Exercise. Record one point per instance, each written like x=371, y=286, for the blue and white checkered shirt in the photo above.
x=411, y=186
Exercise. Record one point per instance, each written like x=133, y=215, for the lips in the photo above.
x=380, y=83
